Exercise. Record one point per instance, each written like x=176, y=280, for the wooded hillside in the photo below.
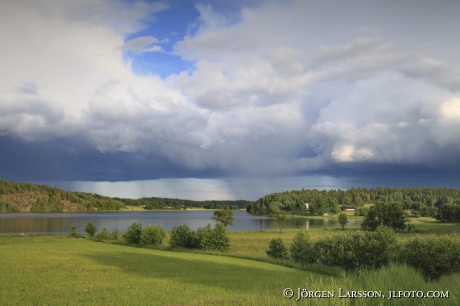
x=426, y=201
x=27, y=197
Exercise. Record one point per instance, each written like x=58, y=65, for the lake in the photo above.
x=49, y=224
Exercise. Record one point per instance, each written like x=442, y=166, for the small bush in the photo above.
x=277, y=249
x=302, y=248
x=133, y=233
x=215, y=239
x=152, y=234
x=198, y=236
x=181, y=236
x=90, y=229
x=103, y=235
x=74, y=232
x=114, y=235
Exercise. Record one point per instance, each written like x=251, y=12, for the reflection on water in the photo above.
x=60, y=223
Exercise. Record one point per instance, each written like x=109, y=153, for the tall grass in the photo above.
x=394, y=277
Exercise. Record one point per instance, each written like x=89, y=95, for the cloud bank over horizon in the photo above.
x=102, y=90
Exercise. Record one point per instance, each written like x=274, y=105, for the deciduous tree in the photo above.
x=223, y=216
x=343, y=219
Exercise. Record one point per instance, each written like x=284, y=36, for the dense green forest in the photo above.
x=27, y=197
x=422, y=201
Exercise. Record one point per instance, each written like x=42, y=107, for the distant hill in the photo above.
x=27, y=197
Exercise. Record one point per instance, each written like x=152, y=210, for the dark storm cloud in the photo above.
x=75, y=160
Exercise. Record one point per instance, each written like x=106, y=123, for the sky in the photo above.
x=229, y=99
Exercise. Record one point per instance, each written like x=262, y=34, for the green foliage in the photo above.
x=114, y=235
x=104, y=235
x=3, y=205
x=433, y=255
x=302, y=248
x=182, y=236
x=152, y=234
x=426, y=211
x=362, y=211
x=90, y=229
x=215, y=239
x=133, y=233
x=448, y=213
x=8, y=207
x=415, y=213
x=343, y=219
x=74, y=232
x=277, y=249
x=203, y=238
x=386, y=214
x=223, y=216
x=334, y=207
x=353, y=250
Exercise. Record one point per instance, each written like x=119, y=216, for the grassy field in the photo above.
x=66, y=271
x=59, y=270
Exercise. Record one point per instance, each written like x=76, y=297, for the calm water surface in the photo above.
x=41, y=224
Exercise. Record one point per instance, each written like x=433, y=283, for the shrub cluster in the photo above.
x=433, y=256
x=347, y=250
x=91, y=230
x=356, y=250
x=205, y=238
x=105, y=235
x=152, y=234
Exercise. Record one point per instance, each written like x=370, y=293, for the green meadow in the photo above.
x=66, y=271
x=61, y=270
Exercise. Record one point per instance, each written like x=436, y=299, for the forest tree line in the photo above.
x=423, y=201
x=167, y=203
